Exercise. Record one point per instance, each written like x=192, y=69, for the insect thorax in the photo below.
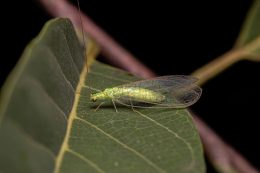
x=133, y=93
x=130, y=93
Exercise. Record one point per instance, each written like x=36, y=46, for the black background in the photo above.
x=170, y=38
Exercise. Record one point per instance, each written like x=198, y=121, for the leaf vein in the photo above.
x=33, y=140
x=124, y=145
x=68, y=48
x=92, y=164
x=62, y=73
x=49, y=97
x=175, y=134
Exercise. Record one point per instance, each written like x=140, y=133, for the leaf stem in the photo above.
x=218, y=65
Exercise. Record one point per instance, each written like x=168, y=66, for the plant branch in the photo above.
x=223, y=157
x=218, y=65
x=248, y=52
x=219, y=153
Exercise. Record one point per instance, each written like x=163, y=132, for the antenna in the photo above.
x=83, y=35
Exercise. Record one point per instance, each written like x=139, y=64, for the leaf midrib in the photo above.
x=72, y=116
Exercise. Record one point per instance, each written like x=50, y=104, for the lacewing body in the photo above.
x=175, y=91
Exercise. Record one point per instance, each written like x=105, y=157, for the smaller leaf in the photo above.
x=249, y=38
x=251, y=27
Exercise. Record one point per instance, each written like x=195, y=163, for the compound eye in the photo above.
x=93, y=99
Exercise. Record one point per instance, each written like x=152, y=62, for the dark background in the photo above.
x=169, y=38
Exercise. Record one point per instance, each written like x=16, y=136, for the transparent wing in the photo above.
x=180, y=91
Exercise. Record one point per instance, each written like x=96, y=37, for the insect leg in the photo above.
x=132, y=106
x=114, y=105
x=99, y=106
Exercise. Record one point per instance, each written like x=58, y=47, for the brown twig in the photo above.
x=222, y=155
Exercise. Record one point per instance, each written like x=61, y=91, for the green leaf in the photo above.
x=48, y=124
x=37, y=99
x=249, y=38
x=251, y=28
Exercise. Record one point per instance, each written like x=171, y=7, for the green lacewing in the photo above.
x=174, y=91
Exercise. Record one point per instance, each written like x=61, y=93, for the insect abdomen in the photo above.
x=136, y=94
